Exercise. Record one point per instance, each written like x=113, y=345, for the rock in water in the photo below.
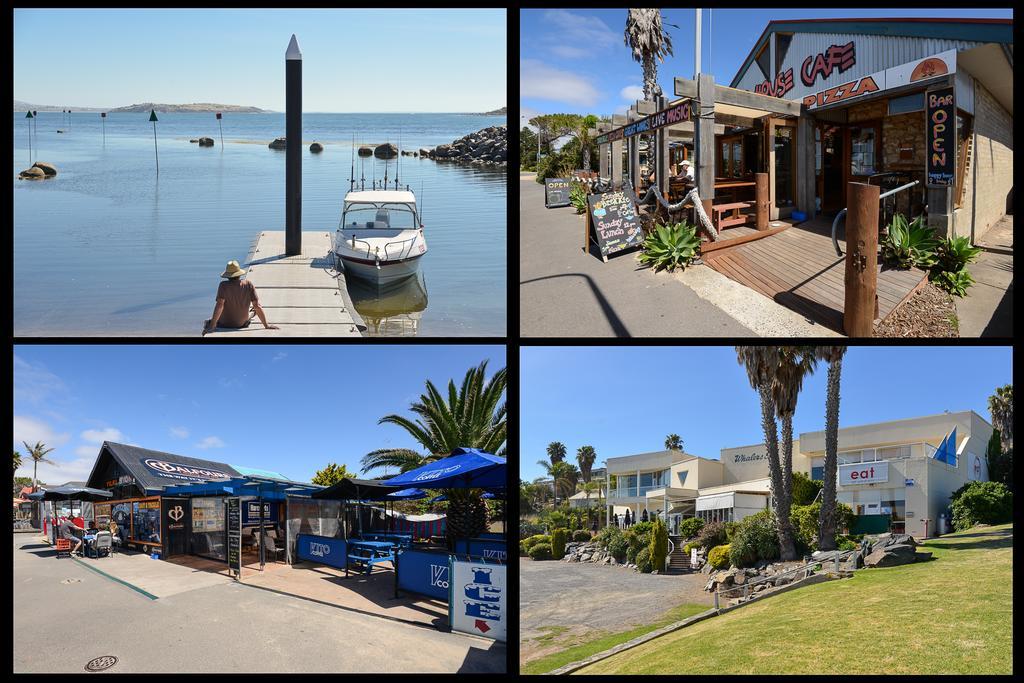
x=316, y=147
x=424, y=152
x=206, y=142
x=194, y=140
x=279, y=143
x=48, y=169
x=484, y=147
x=365, y=152
x=385, y=151
x=33, y=173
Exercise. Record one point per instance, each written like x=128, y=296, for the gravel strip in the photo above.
x=929, y=312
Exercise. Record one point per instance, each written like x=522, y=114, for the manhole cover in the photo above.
x=71, y=581
x=101, y=663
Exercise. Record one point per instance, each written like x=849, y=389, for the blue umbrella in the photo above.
x=465, y=468
x=438, y=499
x=492, y=496
x=407, y=494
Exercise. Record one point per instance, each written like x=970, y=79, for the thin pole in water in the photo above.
x=152, y=117
x=28, y=116
x=221, y=124
x=103, y=120
x=35, y=127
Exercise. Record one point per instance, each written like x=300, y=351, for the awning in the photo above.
x=358, y=489
x=722, y=501
x=71, y=493
x=407, y=494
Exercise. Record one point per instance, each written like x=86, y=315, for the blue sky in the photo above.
x=575, y=61
x=626, y=400
x=353, y=61
x=289, y=409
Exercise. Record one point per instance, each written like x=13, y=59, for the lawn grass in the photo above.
x=574, y=650
x=953, y=614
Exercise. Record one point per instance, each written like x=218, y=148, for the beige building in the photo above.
x=894, y=475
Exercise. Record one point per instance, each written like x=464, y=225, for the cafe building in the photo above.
x=896, y=476
x=818, y=104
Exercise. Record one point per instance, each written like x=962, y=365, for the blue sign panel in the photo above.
x=323, y=550
x=251, y=512
x=489, y=550
x=424, y=573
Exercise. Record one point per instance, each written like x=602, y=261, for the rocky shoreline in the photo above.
x=485, y=147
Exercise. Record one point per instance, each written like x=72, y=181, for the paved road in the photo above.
x=59, y=627
x=987, y=310
x=601, y=597
x=565, y=292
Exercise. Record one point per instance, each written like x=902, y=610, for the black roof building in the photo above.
x=130, y=471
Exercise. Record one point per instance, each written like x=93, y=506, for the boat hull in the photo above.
x=385, y=272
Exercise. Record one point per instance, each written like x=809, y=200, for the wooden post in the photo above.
x=704, y=139
x=861, y=281
x=761, y=200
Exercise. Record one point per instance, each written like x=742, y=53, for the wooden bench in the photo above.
x=734, y=217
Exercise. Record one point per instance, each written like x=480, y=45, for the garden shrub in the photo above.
x=845, y=544
x=527, y=529
x=617, y=547
x=718, y=558
x=711, y=535
x=659, y=544
x=581, y=536
x=805, y=489
x=637, y=536
x=605, y=535
x=557, y=519
x=534, y=540
x=644, y=563
x=558, y=543
x=806, y=523
x=730, y=530
x=982, y=502
x=541, y=551
x=688, y=528
x=756, y=539
x=690, y=546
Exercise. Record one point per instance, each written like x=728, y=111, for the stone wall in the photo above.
x=989, y=181
x=903, y=132
x=868, y=111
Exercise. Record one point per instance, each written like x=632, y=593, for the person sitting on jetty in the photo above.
x=234, y=298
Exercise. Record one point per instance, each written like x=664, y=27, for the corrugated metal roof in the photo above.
x=150, y=476
x=260, y=473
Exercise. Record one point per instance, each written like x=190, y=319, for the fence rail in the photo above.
x=747, y=587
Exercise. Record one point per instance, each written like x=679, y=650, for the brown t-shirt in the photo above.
x=238, y=295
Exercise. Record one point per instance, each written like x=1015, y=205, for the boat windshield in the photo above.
x=396, y=216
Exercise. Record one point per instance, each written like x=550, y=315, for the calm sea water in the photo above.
x=109, y=248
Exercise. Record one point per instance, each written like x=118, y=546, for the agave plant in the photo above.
x=955, y=282
x=907, y=245
x=954, y=253
x=578, y=197
x=670, y=246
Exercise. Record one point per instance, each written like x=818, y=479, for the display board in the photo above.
x=251, y=513
x=613, y=221
x=234, y=523
x=488, y=549
x=146, y=522
x=940, y=136
x=478, y=599
x=424, y=572
x=556, y=192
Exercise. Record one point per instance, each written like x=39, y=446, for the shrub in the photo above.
x=950, y=267
x=982, y=502
x=756, y=539
x=688, y=528
x=730, y=531
x=578, y=197
x=953, y=282
x=524, y=548
x=805, y=489
x=612, y=539
x=690, y=546
x=718, y=558
x=558, y=519
x=527, y=529
x=558, y=543
x=907, y=245
x=541, y=551
x=711, y=535
x=605, y=535
x=806, y=523
x=845, y=543
x=617, y=548
x=670, y=246
x=644, y=563
x=659, y=544
x=581, y=536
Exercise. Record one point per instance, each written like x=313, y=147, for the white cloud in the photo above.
x=34, y=384
x=280, y=355
x=87, y=451
x=62, y=471
x=570, y=52
x=631, y=93
x=210, y=442
x=179, y=432
x=31, y=430
x=578, y=33
x=98, y=436
x=622, y=110
x=539, y=80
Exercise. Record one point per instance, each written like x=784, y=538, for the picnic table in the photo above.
x=365, y=554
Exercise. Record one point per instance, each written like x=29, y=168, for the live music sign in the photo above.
x=863, y=473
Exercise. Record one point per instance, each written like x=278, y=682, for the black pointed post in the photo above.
x=152, y=117
x=28, y=117
x=293, y=150
x=103, y=120
x=219, y=123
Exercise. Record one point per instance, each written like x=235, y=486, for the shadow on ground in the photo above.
x=1000, y=538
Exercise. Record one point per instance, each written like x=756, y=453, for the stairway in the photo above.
x=678, y=561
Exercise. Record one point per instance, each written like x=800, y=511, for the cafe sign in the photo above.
x=917, y=71
x=863, y=473
x=666, y=117
x=940, y=136
x=178, y=471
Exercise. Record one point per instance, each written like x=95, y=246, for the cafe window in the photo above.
x=863, y=144
x=784, y=166
x=101, y=513
x=146, y=521
x=907, y=103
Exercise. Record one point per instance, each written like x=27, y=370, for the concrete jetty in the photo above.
x=303, y=294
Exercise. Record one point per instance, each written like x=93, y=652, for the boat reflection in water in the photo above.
x=390, y=310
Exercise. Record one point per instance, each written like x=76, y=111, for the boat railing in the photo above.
x=403, y=252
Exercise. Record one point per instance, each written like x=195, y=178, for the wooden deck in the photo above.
x=799, y=269
x=303, y=295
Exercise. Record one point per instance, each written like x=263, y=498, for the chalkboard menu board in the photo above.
x=556, y=192
x=234, y=536
x=613, y=221
x=940, y=137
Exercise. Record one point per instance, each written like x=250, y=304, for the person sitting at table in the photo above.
x=67, y=530
x=686, y=171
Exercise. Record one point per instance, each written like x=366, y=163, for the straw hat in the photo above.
x=233, y=270
x=686, y=162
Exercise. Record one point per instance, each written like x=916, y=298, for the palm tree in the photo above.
x=833, y=355
x=38, y=454
x=1000, y=405
x=585, y=456
x=556, y=451
x=472, y=416
x=17, y=460
x=761, y=363
x=564, y=476
x=794, y=363
x=646, y=36
x=673, y=443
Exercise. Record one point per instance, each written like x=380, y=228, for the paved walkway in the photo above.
x=65, y=615
x=987, y=310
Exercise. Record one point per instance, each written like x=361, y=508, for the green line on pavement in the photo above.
x=114, y=578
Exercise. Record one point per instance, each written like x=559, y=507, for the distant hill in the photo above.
x=497, y=112
x=144, y=107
